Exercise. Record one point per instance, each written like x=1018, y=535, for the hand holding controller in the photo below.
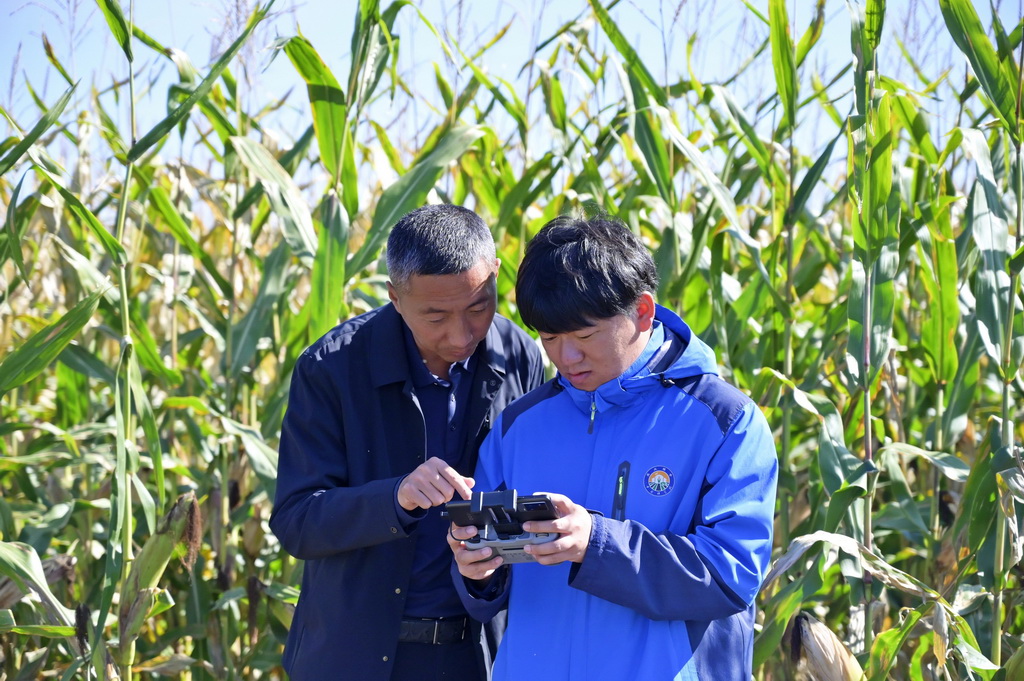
x=499, y=517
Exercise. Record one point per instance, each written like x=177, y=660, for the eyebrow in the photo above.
x=435, y=310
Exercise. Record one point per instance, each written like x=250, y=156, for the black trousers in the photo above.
x=427, y=662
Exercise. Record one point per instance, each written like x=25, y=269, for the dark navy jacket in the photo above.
x=353, y=429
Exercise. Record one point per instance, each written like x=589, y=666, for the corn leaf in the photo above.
x=987, y=223
x=175, y=224
x=86, y=218
x=328, y=277
x=410, y=191
x=257, y=321
x=965, y=28
x=939, y=275
x=325, y=97
x=262, y=457
x=20, y=563
x=783, y=61
x=161, y=129
x=287, y=201
x=34, y=355
x=44, y=123
x=634, y=64
x=651, y=142
x=118, y=26
x=14, y=239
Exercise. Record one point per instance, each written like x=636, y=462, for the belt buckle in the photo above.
x=437, y=632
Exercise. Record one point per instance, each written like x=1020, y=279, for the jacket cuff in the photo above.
x=491, y=589
x=598, y=540
x=407, y=519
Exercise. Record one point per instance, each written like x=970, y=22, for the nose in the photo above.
x=460, y=334
x=569, y=353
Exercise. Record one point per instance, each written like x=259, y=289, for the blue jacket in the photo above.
x=352, y=430
x=666, y=589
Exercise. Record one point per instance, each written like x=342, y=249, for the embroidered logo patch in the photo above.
x=659, y=481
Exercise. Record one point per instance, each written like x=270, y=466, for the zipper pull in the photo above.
x=593, y=413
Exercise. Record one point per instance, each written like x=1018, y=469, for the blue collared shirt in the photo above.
x=443, y=403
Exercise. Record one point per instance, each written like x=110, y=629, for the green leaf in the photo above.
x=948, y=464
x=880, y=569
x=554, y=99
x=812, y=34
x=285, y=197
x=52, y=57
x=372, y=43
x=813, y=176
x=12, y=231
x=410, y=191
x=741, y=123
x=782, y=59
x=634, y=65
x=34, y=355
x=118, y=26
x=87, y=218
x=987, y=224
x=651, y=142
x=325, y=97
x=887, y=645
x=965, y=28
x=175, y=224
x=940, y=277
x=257, y=321
x=161, y=129
x=20, y=563
x=149, y=426
x=328, y=277
x=723, y=199
x=44, y=123
x=9, y=626
x=874, y=17
x=262, y=457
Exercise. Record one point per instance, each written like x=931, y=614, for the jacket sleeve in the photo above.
x=484, y=603
x=316, y=514
x=716, y=568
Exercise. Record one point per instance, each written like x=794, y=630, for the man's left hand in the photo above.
x=573, y=523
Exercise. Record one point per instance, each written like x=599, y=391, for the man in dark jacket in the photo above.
x=385, y=416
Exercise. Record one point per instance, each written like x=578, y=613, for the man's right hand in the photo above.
x=432, y=483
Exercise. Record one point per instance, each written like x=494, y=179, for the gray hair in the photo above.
x=437, y=239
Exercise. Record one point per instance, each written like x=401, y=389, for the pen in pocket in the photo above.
x=621, y=486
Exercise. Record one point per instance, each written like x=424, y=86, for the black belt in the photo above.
x=440, y=631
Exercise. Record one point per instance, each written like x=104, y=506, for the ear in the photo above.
x=645, y=309
x=393, y=295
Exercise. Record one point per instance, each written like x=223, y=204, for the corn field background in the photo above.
x=845, y=231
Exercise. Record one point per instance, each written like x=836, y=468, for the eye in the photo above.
x=547, y=339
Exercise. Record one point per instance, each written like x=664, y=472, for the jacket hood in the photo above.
x=681, y=357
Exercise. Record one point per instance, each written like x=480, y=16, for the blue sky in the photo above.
x=726, y=33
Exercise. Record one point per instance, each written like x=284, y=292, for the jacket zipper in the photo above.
x=593, y=413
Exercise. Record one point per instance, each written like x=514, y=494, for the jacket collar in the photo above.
x=695, y=358
x=392, y=366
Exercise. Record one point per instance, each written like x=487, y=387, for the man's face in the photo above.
x=448, y=314
x=594, y=355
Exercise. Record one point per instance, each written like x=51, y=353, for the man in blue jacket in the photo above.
x=385, y=416
x=662, y=474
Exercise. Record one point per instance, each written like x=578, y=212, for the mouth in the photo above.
x=577, y=377
x=463, y=354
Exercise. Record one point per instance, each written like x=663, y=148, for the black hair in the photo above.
x=437, y=239
x=578, y=271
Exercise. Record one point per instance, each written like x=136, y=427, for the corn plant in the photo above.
x=861, y=284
